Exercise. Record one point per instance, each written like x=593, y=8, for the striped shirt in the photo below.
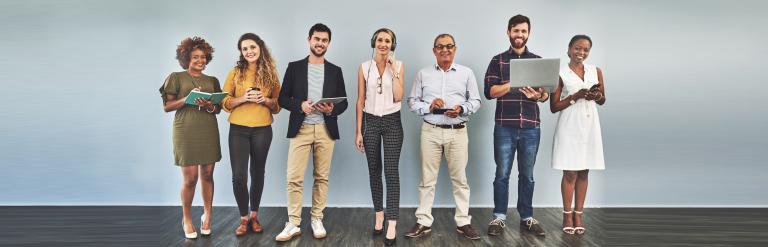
x=512, y=109
x=315, y=78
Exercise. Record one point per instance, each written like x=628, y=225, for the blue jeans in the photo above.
x=507, y=140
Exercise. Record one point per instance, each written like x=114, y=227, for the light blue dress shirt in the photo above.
x=456, y=86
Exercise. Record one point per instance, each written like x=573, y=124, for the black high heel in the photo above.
x=387, y=241
x=379, y=231
x=390, y=242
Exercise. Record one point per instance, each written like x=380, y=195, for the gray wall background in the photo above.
x=82, y=123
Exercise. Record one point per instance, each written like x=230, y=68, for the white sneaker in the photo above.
x=317, y=228
x=288, y=232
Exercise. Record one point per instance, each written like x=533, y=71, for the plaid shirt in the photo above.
x=513, y=109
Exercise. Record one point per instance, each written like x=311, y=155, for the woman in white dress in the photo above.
x=578, y=145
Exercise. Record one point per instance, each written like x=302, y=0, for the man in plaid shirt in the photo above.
x=516, y=130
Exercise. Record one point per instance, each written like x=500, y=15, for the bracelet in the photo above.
x=212, y=110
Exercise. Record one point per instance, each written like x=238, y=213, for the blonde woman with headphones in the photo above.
x=379, y=95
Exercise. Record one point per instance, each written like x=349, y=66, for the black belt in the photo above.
x=448, y=126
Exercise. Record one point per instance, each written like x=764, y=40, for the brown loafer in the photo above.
x=256, y=226
x=468, y=232
x=242, y=228
x=418, y=231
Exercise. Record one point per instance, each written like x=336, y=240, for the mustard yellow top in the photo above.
x=248, y=114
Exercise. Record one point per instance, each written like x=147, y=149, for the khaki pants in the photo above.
x=455, y=143
x=311, y=138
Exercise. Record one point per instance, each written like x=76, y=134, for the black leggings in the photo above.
x=389, y=130
x=245, y=142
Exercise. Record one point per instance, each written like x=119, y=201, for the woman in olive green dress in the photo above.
x=195, y=131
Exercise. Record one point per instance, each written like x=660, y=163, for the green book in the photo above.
x=213, y=97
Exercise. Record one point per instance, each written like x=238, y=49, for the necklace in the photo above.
x=195, y=80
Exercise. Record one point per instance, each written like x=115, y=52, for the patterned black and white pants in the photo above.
x=386, y=130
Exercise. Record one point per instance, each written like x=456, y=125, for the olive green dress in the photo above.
x=195, y=132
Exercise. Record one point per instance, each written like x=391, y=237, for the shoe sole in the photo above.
x=462, y=234
x=289, y=237
x=420, y=234
x=492, y=233
x=319, y=236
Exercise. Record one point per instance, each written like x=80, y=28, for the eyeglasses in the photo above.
x=378, y=85
x=449, y=46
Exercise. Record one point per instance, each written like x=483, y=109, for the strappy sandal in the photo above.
x=579, y=229
x=242, y=228
x=568, y=229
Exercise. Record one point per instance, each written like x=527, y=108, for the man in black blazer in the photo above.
x=311, y=128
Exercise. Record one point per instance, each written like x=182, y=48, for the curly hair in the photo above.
x=266, y=72
x=188, y=45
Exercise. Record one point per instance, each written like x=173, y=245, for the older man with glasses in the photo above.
x=445, y=95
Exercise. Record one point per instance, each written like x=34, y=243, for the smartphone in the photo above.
x=254, y=88
x=440, y=111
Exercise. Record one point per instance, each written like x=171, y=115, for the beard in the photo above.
x=512, y=41
x=318, y=54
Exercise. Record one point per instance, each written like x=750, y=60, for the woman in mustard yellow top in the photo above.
x=253, y=87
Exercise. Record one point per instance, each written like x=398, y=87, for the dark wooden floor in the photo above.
x=353, y=226
x=161, y=226
x=687, y=226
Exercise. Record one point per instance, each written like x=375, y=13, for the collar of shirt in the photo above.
x=451, y=68
x=526, y=53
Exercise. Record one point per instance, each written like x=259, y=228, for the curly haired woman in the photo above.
x=196, y=145
x=253, y=87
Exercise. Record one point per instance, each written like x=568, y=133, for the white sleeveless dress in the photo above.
x=578, y=141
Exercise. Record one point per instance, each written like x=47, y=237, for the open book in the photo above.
x=213, y=97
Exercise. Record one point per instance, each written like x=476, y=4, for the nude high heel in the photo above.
x=192, y=235
x=204, y=232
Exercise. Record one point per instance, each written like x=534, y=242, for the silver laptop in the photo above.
x=535, y=72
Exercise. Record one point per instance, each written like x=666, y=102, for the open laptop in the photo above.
x=535, y=72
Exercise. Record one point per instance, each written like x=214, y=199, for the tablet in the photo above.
x=330, y=100
x=534, y=72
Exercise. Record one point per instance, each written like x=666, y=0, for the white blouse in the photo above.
x=379, y=104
